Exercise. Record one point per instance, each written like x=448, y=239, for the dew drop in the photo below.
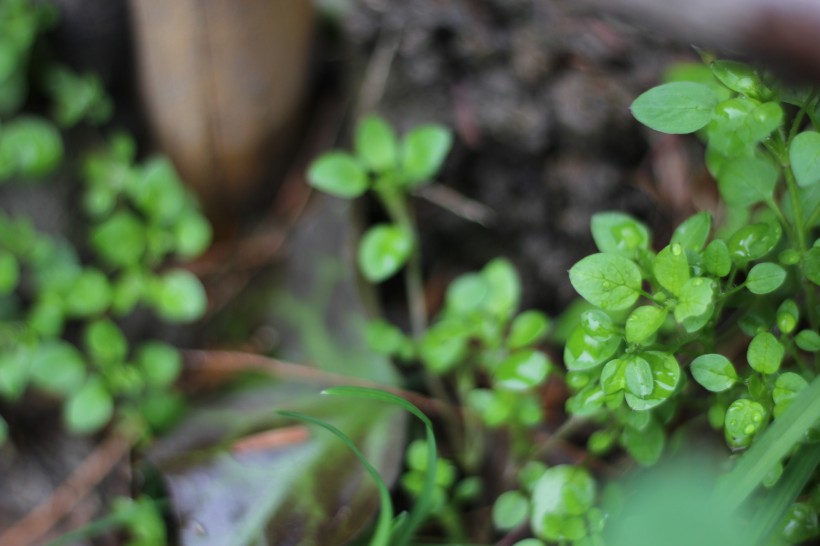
x=749, y=429
x=676, y=249
x=757, y=417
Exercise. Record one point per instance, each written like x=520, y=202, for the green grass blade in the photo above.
x=423, y=506
x=788, y=488
x=381, y=536
x=771, y=447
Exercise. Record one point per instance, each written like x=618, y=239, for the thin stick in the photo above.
x=231, y=362
x=37, y=523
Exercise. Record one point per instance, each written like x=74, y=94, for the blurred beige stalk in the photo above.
x=222, y=82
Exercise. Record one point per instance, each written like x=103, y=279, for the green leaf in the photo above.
x=808, y=340
x=510, y=510
x=30, y=147
x=608, y=281
x=738, y=124
x=671, y=268
x=786, y=388
x=192, y=235
x=765, y=353
x=643, y=323
x=423, y=152
x=178, y=296
x=385, y=338
x=741, y=78
x=158, y=191
x=528, y=328
x=583, y=351
x=159, y=363
x=811, y=265
x=15, y=367
x=9, y=273
x=744, y=419
x=90, y=408
x=677, y=108
x=522, y=370
x=90, y=294
x=665, y=377
x=645, y=446
x=339, y=174
x=716, y=258
x=120, y=240
x=765, y=278
x=638, y=377
x=804, y=155
x=619, y=233
x=613, y=376
x=105, y=342
x=695, y=299
x=383, y=250
x=754, y=241
x=787, y=316
x=443, y=346
x=467, y=294
x=714, y=372
x=504, y=287
x=376, y=144
x=596, y=323
x=563, y=490
x=693, y=233
x=747, y=180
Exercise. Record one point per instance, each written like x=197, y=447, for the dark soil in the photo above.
x=539, y=100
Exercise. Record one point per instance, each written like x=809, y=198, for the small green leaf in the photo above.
x=787, y=316
x=695, y=299
x=120, y=240
x=423, y=152
x=744, y=419
x=677, y=108
x=741, y=78
x=90, y=294
x=693, y=233
x=765, y=278
x=716, y=258
x=747, y=180
x=738, y=124
x=178, y=296
x=443, y=346
x=597, y=324
x=383, y=250
x=105, y=342
x=510, y=510
x=808, y=340
x=159, y=363
x=645, y=446
x=90, y=408
x=583, y=351
x=528, y=328
x=765, y=353
x=786, y=388
x=522, y=370
x=158, y=191
x=58, y=367
x=619, y=233
x=384, y=338
x=30, y=146
x=613, y=376
x=811, y=265
x=339, y=174
x=714, y=372
x=754, y=241
x=665, y=377
x=643, y=323
x=671, y=268
x=376, y=144
x=638, y=376
x=504, y=287
x=804, y=154
x=608, y=281
x=192, y=235
x=563, y=490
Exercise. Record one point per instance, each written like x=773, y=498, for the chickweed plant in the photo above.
x=718, y=324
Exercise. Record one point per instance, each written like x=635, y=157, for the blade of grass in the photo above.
x=421, y=509
x=381, y=537
x=771, y=447
x=791, y=484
